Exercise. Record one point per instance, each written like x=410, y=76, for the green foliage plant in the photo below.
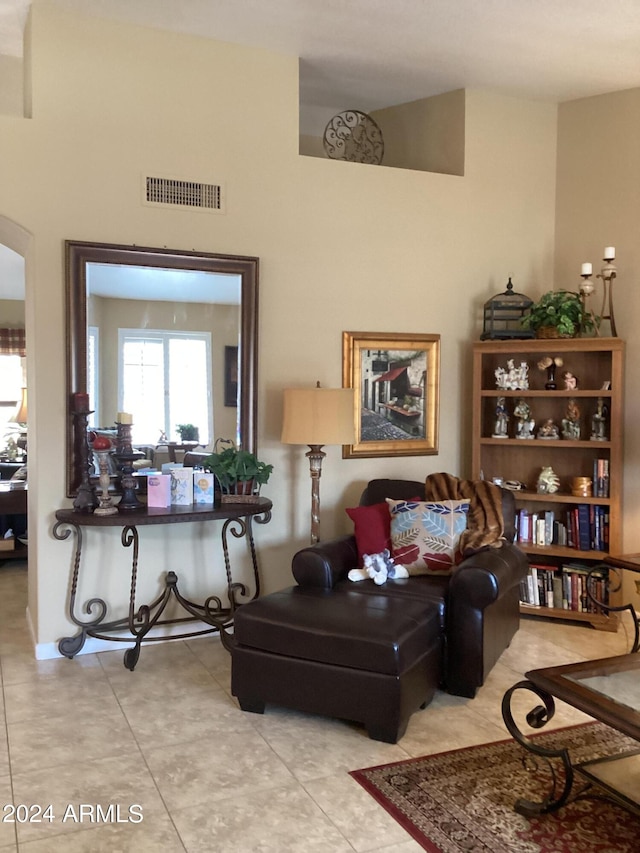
x=187, y=432
x=562, y=310
x=233, y=466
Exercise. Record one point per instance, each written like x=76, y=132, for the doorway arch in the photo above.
x=19, y=240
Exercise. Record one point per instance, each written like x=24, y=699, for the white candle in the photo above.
x=609, y=253
x=124, y=418
x=587, y=269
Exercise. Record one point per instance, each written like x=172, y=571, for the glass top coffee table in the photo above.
x=609, y=691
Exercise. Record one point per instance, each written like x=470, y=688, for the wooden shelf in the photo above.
x=595, y=362
x=562, y=552
x=598, y=620
x=578, y=392
x=536, y=443
x=523, y=495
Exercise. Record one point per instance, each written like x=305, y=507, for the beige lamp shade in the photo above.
x=21, y=416
x=318, y=416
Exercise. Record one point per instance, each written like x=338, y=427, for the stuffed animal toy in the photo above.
x=378, y=567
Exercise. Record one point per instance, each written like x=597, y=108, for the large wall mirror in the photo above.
x=167, y=336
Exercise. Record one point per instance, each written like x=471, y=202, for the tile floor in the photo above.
x=206, y=777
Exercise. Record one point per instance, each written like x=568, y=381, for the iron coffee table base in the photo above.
x=605, y=689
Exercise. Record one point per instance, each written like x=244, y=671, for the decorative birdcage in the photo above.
x=503, y=314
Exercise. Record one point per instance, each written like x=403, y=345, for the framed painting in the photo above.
x=397, y=379
x=231, y=376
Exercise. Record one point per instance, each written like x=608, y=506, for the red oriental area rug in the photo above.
x=462, y=801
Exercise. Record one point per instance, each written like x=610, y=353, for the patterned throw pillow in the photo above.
x=425, y=535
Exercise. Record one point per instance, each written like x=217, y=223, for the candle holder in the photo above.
x=586, y=290
x=86, y=499
x=129, y=501
x=123, y=439
x=126, y=456
x=608, y=274
x=106, y=506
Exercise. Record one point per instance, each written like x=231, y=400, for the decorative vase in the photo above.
x=548, y=481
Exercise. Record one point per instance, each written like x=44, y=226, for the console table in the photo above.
x=236, y=518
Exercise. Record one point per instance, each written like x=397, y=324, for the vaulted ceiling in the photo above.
x=367, y=54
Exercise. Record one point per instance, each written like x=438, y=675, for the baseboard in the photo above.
x=164, y=633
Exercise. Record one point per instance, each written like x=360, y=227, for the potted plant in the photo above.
x=558, y=314
x=188, y=432
x=239, y=472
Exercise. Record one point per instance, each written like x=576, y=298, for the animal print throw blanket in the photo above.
x=485, y=524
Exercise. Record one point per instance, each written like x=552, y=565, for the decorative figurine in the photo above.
x=548, y=481
x=513, y=378
x=599, y=422
x=502, y=420
x=571, y=421
x=549, y=364
x=570, y=381
x=526, y=424
x=548, y=430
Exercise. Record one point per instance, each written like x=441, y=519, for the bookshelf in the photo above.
x=598, y=364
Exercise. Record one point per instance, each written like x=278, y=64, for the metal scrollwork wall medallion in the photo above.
x=354, y=136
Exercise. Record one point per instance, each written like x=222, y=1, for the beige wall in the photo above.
x=11, y=313
x=342, y=247
x=599, y=205
x=11, y=86
x=427, y=134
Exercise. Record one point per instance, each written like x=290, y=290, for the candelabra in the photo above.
x=586, y=289
x=608, y=274
x=86, y=499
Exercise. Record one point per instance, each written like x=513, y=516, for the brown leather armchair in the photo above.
x=371, y=653
x=479, y=604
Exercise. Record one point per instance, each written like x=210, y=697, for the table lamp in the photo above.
x=318, y=416
x=20, y=417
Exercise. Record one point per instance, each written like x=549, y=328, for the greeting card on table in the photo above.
x=159, y=490
x=203, y=487
x=182, y=486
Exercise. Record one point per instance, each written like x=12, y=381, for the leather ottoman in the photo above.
x=373, y=659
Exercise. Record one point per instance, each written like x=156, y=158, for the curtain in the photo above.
x=12, y=342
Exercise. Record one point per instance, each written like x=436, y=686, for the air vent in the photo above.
x=177, y=193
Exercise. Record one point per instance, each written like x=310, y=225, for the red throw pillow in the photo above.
x=372, y=528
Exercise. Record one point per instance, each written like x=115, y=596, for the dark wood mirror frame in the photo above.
x=79, y=254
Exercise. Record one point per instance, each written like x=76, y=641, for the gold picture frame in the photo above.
x=397, y=378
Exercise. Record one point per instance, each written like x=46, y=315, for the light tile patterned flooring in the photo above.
x=209, y=778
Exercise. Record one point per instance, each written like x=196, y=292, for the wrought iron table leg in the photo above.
x=538, y=717
x=70, y=646
x=610, y=608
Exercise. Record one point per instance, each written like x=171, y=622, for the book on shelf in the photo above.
x=564, y=587
x=584, y=527
x=538, y=588
x=600, y=478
